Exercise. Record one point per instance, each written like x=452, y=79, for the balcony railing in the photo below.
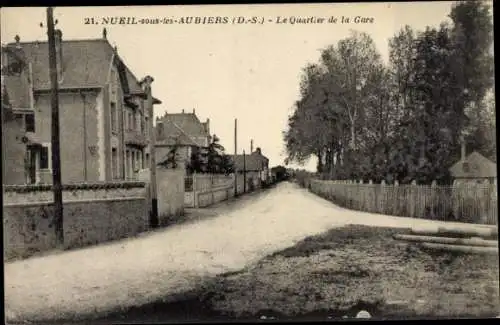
x=136, y=139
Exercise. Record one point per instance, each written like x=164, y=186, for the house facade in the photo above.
x=255, y=166
x=183, y=130
x=103, y=120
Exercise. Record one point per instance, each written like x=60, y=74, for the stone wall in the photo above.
x=92, y=213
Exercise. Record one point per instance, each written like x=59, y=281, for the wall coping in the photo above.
x=73, y=186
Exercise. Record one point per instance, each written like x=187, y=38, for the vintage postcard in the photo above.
x=261, y=162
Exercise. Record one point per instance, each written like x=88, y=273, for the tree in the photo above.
x=172, y=158
x=472, y=34
x=227, y=165
x=196, y=163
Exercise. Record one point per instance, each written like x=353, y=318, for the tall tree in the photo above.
x=472, y=34
x=350, y=66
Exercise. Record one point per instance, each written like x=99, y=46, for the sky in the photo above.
x=248, y=72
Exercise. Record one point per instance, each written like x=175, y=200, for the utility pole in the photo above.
x=56, y=153
x=152, y=152
x=244, y=173
x=234, y=160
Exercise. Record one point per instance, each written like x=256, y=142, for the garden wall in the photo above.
x=92, y=213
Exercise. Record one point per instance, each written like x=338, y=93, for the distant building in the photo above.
x=104, y=131
x=255, y=166
x=183, y=130
x=474, y=168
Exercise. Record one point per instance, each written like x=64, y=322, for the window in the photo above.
x=130, y=121
x=45, y=157
x=146, y=127
x=127, y=164
x=114, y=163
x=147, y=161
x=114, y=117
x=140, y=123
x=133, y=162
x=29, y=120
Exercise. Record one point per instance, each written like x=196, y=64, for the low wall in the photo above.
x=214, y=195
x=92, y=213
x=206, y=189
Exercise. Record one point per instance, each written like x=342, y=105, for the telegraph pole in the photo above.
x=152, y=152
x=56, y=154
x=244, y=173
x=234, y=160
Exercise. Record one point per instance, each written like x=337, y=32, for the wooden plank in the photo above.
x=462, y=249
x=448, y=240
x=476, y=232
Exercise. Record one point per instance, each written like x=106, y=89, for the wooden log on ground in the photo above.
x=462, y=249
x=459, y=232
x=447, y=240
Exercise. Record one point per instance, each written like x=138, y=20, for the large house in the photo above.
x=183, y=130
x=102, y=115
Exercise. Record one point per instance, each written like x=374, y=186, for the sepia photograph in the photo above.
x=252, y=162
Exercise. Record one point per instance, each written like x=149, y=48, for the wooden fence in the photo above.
x=473, y=203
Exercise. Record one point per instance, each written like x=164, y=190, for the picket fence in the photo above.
x=468, y=202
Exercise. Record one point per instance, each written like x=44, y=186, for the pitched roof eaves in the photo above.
x=62, y=88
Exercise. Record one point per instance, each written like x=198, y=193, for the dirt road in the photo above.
x=132, y=272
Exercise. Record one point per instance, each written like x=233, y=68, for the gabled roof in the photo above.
x=247, y=162
x=183, y=123
x=85, y=64
x=16, y=91
x=476, y=166
x=173, y=134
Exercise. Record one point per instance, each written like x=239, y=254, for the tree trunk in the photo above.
x=319, y=167
x=485, y=232
x=353, y=136
x=447, y=240
x=462, y=249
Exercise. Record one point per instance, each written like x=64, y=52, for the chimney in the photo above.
x=251, y=146
x=160, y=129
x=59, y=54
x=207, y=125
x=182, y=111
x=17, y=39
x=194, y=111
x=104, y=33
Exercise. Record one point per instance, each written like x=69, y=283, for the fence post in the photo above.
x=195, y=191
x=433, y=197
x=413, y=198
x=383, y=192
